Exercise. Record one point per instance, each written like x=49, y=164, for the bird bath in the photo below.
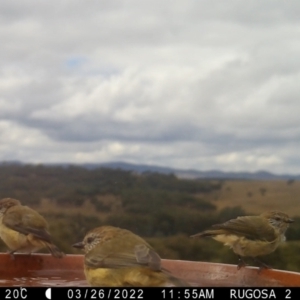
x=44, y=270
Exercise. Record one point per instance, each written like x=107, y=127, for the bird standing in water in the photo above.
x=251, y=236
x=116, y=257
x=23, y=229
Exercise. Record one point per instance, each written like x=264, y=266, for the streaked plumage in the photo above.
x=117, y=257
x=23, y=229
x=251, y=236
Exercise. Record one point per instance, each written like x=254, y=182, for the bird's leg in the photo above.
x=262, y=265
x=241, y=263
x=11, y=253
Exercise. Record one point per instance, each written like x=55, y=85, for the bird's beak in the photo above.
x=290, y=221
x=79, y=245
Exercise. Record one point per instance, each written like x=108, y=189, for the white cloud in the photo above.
x=193, y=84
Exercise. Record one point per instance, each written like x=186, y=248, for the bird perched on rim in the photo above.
x=251, y=236
x=23, y=229
x=116, y=257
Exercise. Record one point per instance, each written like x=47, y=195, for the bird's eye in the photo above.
x=277, y=219
x=89, y=240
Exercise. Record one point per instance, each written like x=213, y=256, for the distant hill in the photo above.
x=194, y=174
x=188, y=174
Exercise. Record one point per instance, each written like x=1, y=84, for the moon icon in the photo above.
x=48, y=293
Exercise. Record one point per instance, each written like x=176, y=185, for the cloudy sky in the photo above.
x=202, y=84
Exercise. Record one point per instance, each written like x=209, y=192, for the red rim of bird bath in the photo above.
x=68, y=271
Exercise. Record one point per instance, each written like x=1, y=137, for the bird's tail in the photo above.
x=54, y=250
x=210, y=233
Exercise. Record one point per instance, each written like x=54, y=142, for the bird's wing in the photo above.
x=147, y=256
x=27, y=221
x=252, y=227
x=139, y=255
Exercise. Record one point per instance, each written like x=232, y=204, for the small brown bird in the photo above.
x=23, y=229
x=116, y=257
x=251, y=236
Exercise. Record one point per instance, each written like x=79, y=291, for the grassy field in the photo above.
x=255, y=197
